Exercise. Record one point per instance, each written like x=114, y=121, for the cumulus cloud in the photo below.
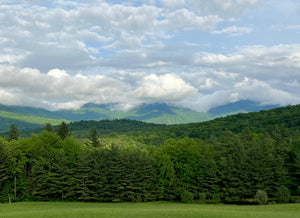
x=62, y=54
x=260, y=61
x=258, y=91
x=59, y=90
x=167, y=87
x=71, y=35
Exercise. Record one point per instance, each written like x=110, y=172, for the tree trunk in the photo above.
x=9, y=200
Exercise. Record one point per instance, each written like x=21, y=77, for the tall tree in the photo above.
x=63, y=130
x=48, y=127
x=93, y=138
x=13, y=133
x=3, y=170
x=62, y=182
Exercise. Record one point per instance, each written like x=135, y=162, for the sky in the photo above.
x=199, y=54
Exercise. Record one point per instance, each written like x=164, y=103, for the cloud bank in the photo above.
x=193, y=53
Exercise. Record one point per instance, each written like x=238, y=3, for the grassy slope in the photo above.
x=23, y=121
x=29, y=118
x=180, y=116
x=56, y=209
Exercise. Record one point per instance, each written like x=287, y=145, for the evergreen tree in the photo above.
x=13, y=133
x=48, y=127
x=61, y=178
x=63, y=130
x=39, y=185
x=3, y=171
x=85, y=185
x=93, y=138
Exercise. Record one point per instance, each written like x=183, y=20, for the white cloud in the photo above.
x=256, y=91
x=234, y=31
x=167, y=87
x=185, y=19
x=173, y=3
x=61, y=54
x=261, y=61
x=225, y=8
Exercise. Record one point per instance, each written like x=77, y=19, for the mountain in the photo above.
x=243, y=106
x=160, y=113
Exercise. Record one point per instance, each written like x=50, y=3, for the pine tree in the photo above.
x=63, y=130
x=13, y=133
x=39, y=185
x=85, y=185
x=3, y=172
x=61, y=179
x=48, y=127
x=93, y=138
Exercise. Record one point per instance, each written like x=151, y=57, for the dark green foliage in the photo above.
x=261, y=197
x=201, y=197
x=283, y=194
x=13, y=133
x=221, y=164
x=61, y=180
x=63, y=130
x=93, y=139
x=48, y=127
x=187, y=197
x=3, y=171
x=85, y=185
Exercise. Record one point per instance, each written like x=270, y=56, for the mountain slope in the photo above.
x=242, y=106
x=160, y=113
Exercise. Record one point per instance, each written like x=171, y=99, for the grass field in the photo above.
x=56, y=209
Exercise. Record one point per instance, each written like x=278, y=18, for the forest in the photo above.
x=228, y=160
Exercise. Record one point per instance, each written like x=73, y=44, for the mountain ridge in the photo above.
x=159, y=113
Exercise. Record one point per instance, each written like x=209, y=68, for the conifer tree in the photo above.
x=63, y=130
x=48, y=127
x=61, y=179
x=93, y=138
x=13, y=133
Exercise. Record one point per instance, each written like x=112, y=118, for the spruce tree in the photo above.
x=61, y=179
x=93, y=138
x=13, y=133
x=48, y=127
x=63, y=130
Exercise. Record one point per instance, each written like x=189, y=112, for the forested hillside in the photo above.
x=30, y=118
x=225, y=160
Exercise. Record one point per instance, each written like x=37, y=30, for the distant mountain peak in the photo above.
x=240, y=106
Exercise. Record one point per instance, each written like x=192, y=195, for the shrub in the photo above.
x=261, y=197
x=187, y=197
x=283, y=194
x=202, y=197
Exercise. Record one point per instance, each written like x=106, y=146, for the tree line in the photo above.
x=224, y=167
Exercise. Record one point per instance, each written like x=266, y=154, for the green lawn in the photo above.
x=56, y=209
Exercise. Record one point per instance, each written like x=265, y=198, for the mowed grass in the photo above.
x=58, y=209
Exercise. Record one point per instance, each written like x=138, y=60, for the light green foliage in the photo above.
x=187, y=197
x=261, y=197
